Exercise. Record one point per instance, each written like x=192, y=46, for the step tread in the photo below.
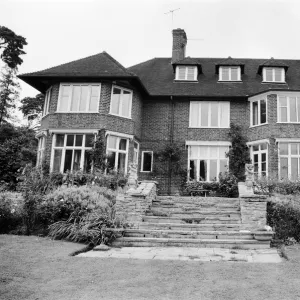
x=208, y=232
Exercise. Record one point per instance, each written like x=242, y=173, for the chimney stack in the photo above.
x=179, y=44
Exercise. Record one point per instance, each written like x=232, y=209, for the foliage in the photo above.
x=284, y=217
x=227, y=186
x=98, y=154
x=238, y=153
x=10, y=212
x=9, y=92
x=12, y=45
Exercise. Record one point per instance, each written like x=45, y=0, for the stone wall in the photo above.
x=132, y=206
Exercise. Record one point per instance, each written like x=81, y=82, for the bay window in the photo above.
x=206, y=162
x=79, y=97
x=41, y=150
x=71, y=152
x=289, y=160
x=210, y=114
x=47, y=102
x=258, y=112
x=289, y=109
x=121, y=101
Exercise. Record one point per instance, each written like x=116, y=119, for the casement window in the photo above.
x=205, y=163
x=41, y=150
x=79, y=97
x=210, y=114
x=230, y=74
x=136, y=148
x=121, y=101
x=47, y=102
x=273, y=75
x=71, y=152
x=188, y=73
x=289, y=160
x=117, y=153
x=258, y=112
x=259, y=157
x=147, y=161
x=288, y=109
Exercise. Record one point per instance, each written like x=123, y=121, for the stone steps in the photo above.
x=176, y=207
x=186, y=242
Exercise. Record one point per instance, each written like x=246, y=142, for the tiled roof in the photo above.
x=272, y=63
x=158, y=78
x=229, y=62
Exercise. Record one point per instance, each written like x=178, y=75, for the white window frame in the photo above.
x=47, y=102
x=41, y=150
x=289, y=156
x=221, y=68
x=208, y=144
x=65, y=147
x=117, y=150
x=288, y=96
x=186, y=73
x=142, y=161
x=273, y=74
x=209, y=114
x=260, y=152
x=120, y=107
x=258, y=99
x=136, y=153
x=71, y=94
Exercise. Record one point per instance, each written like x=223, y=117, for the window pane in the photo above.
x=135, y=145
x=283, y=167
x=222, y=152
x=263, y=111
x=234, y=74
x=213, y=170
x=84, y=100
x=213, y=152
x=190, y=73
x=278, y=73
x=70, y=140
x=283, y=149
x=64, y=99
x=79, y=139
x=225, y=108
x=255, y=148
x=254, y=113
x=87, y=162
x=68, y=160
x=204, y=152
x=75, y=98
x=111, y=157
x=283, y=114
x=223, y=165
x=255, y=158
x=263, y=146
x=269, y=74
x=181, y=73
x=214, y=114
x=194, y=114
x=298, y=108
x=122, y=144
x=89, y=140
x=126, y=99
x=203, y=170
x=60, y=140
x=194, y=151
x=77, y=158
x=193, y=168
x=294, y=168
x=121, y=162
x=112, y=142
x=204, y=114
x=115, y=101
x=293, y=109
x=282, y=101
x=294, y=149
x=225, y=73
x=263, y=157
x=57, y=160
x=147, y=161
x=94, y=98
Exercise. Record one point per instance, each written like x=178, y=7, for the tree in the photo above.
x=9, y=92
x=32, y=106
x=12, y=46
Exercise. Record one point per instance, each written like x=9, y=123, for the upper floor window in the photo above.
x=273, y=75
x=209, y=114
x=288, y=109
x=188, y=73
x=79, y=97
x=121, y=101
x=258, y=112
x=47, y=102
x=230, y=74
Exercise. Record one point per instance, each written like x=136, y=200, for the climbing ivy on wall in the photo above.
x=98, y=154
x=238, y=154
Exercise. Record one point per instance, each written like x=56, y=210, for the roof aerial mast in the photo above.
x=172, y=12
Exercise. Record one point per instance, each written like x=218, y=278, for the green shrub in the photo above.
x=11, y=205
x=284, y=217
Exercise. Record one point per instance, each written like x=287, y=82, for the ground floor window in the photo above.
x=289, y=160
x=41, y=150
x=117, y=153
x=205, y=163
x=147, y=161
x=259, y=157
x=71, y=152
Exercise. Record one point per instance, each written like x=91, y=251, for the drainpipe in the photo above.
x=171, y=142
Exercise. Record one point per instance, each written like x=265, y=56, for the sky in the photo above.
x=133, y=31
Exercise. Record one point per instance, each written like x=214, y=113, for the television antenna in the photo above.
x=171, y=12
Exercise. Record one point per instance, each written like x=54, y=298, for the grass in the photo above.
x=38, y=268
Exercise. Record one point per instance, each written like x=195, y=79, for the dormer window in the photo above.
x=188, y=73
x=230, y=73
x=273, y=75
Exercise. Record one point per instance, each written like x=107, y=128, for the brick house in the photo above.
x=184, y=100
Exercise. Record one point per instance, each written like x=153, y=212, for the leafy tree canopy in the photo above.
x=12, y=45
x=32, y=105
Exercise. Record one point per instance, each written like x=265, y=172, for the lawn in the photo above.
x=39, y=268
